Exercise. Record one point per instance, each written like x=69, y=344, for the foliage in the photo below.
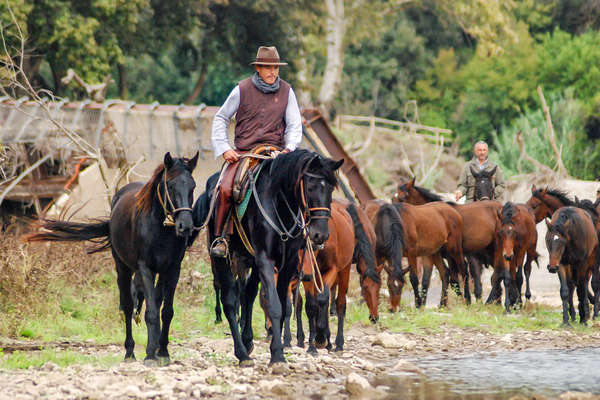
x=580, y=156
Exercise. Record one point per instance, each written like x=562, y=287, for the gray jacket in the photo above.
x=466, y=182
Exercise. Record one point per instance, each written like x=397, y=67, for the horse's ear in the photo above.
x=193, y=161
x=337, y=164
x=499, y=213
x=492, y=172
x=548, y=224
x=544, y=190
x=412, y=182
x=533, y=188
x=168, y=160
x=577, y=202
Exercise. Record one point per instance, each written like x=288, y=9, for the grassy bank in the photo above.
x=54, y=292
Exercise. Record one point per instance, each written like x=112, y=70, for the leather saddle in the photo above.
x=241, y=183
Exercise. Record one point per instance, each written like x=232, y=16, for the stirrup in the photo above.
x=219, y=247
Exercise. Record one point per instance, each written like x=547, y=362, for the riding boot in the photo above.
x=220, y=246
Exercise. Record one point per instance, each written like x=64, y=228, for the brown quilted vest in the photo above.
x=260, y=117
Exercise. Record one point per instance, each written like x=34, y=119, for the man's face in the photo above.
x=268, y=73
x=481, y=152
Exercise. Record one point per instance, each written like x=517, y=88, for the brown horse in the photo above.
x=389, y=249
x=517, y=237
x=480, y=224
x=544, y=202
x=572, y=243
x=431, y=230
x=351, y=240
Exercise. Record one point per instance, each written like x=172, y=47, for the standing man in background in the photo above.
x=267, y=113
x=480, y=162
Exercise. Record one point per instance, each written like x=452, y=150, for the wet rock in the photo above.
x=406, y=366
x=357, y=385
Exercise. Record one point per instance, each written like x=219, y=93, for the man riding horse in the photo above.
x=480, y=166
x=267, y=114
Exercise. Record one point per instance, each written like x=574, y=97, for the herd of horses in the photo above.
x=291, y=232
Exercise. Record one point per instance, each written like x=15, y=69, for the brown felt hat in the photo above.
x=267, y=55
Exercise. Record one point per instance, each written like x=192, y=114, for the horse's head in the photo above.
x=507, y=232
x=176, y=191
x=556, y=241
x=316, y=184
x=406, y=193
x=484, y=186
x=370, y=284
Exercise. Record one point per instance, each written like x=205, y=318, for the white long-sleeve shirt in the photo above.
x=220, y=141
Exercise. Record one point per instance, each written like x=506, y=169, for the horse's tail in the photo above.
x=390, y=234
x=62, y=231
x=363, y=250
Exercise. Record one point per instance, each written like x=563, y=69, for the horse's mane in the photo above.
x=143, y=198
x=588, y=206
x=285, y=169
x=564, y=215
x=508, y=212
x=428, y=194
x=559, y=194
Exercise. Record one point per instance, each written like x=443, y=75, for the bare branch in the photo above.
x=562, y=171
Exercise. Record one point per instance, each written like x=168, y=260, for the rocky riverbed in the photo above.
x=206, y=367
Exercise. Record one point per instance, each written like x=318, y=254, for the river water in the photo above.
x=499, y=375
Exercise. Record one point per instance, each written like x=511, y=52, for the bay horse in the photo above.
x=572, y=243
x=480, y=224
x=351, y=240
x=433, y=230
x=289, y=204
x=545, y=201
x=517, y=238
x=389, y=249
x=142, y=241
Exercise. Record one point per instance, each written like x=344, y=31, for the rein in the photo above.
x=169, y=215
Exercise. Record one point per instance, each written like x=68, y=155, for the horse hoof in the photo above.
x=279, y=367
x=129, y=359
x=150, y=363
x=312, y=351
x=301, y=344
x=287, y=344
x=164, y=361
x=339, y=349
x=247, y=363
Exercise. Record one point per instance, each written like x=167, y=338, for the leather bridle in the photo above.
x=169, y=214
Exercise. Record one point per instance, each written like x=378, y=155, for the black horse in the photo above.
x=142, y=242
x=290, y=204
x=484, y=187
x=572, y=243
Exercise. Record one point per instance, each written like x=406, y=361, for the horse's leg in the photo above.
x=414, y=279
x=299, y=328
x=275, y=299
x=507, y=278
x=571, y=283
x=311, y=313
x=582, y=296
x=475, y=269
x=287, y=332
x=343, y=280
x=247, y=303
x=167, y=285
x=332, y=308
x=126, y=303
x=596, y=288
x=426, y=280
x=564, y=293
x=229, y=299
x=496, y=290
x=152, y=312
x=443, y=273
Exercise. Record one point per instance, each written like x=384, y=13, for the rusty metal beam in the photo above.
x=314, y=119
